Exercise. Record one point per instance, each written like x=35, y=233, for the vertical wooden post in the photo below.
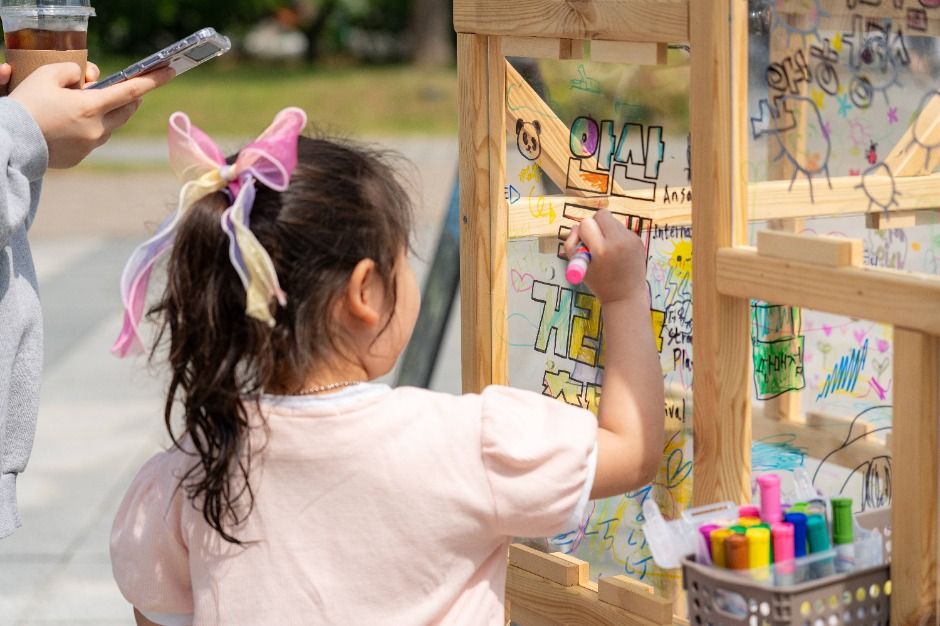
x=483, y=232
x=914, y=506
x=498, y=214
x=721, y=337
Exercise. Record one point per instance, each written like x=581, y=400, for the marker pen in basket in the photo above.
x=818, y=535
x=784, y=567
x=758, y=552
x=770, y=510
x=799, y=532
x=578, y=264
x=718, y=538
x=843, y=534
x=736, y=552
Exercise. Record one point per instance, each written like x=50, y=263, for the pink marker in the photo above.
x=578, y=265
x=748, y=510
x=706, y=532
x=770, y=510
x=784, y=553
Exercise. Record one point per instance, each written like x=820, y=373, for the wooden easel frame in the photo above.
x=726, y=273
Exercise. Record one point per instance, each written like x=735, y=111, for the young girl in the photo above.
x=298, y=492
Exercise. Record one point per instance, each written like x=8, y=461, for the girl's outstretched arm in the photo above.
x=630, y=419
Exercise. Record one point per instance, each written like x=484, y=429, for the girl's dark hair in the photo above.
x=344, y=204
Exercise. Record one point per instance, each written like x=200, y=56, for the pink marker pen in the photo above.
x=784, y=553
x=770, y=510
x=578, y=265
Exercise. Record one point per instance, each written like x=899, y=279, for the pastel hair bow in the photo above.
x=202, y=169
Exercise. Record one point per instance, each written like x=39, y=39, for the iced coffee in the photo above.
x=39, y=32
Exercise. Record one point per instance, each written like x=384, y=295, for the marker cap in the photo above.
x=718, y=538
x=748, y=522
x=817, y=533
x=783, y=542
x=798, y=520
x=706, y=532
x=749, y=510
x=737, y=529
x=769, y=485
x=736, y=552
x=842, y=531
x=577, y=270
x=758, y=547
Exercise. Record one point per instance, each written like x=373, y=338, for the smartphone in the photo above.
x=182, y=56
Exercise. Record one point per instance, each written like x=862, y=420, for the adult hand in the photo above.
x=76, y=121
x=92, y=74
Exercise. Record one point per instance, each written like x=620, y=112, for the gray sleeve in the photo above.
x=24, y=158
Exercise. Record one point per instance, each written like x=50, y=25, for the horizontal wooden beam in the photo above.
x=546, y=602
x=665, y=21
x=543, y=48
x=906, y=300
x=628, y=52
x=815, y=249
x=563, y=571
x=770, y=200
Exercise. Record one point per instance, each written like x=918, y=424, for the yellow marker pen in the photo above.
x=718, y=538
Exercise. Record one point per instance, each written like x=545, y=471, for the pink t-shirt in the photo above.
x=376, y=506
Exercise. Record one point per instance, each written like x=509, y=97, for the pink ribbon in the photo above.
x=201, y=166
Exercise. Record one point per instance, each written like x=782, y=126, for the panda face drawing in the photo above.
x=527, y=139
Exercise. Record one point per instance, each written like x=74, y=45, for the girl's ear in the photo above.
x=365, y=295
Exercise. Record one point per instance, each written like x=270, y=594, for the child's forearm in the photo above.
x=631, y=409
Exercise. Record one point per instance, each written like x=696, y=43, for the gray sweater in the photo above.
x=24, y=158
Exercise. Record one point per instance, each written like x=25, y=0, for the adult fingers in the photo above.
x=5, y=72
x=122, y=94
x=120, y=116
x=60, y=74
x=92, y=72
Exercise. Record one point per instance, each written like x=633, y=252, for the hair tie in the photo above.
x=201, y=166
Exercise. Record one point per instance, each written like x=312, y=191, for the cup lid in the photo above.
x=44, y=3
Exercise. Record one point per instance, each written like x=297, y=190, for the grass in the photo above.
x=240, y=100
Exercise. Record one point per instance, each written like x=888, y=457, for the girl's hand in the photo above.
x=618, y=259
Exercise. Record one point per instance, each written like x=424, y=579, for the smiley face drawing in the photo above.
x=527, y=139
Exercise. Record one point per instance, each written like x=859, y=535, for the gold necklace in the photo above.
x=309, y=391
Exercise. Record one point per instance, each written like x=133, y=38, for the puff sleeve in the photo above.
x=539, y=456
x=149, y=554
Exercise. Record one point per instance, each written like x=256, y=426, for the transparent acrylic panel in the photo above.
x=624, y=146
x=822, y=387
x=842, y=99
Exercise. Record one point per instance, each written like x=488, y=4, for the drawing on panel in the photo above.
x=777, y=350
x=528, y=139
x=874, y=471
x=780, y=121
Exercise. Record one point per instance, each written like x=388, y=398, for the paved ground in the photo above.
x=100, y=417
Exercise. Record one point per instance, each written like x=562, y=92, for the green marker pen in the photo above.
x=843, y=534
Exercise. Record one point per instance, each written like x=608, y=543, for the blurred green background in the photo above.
x=351, y=64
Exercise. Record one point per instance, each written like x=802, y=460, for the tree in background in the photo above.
x=431, y=30
x=137, y=28
x=374, y=30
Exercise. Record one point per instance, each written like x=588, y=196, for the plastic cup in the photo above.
x=39, y=32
